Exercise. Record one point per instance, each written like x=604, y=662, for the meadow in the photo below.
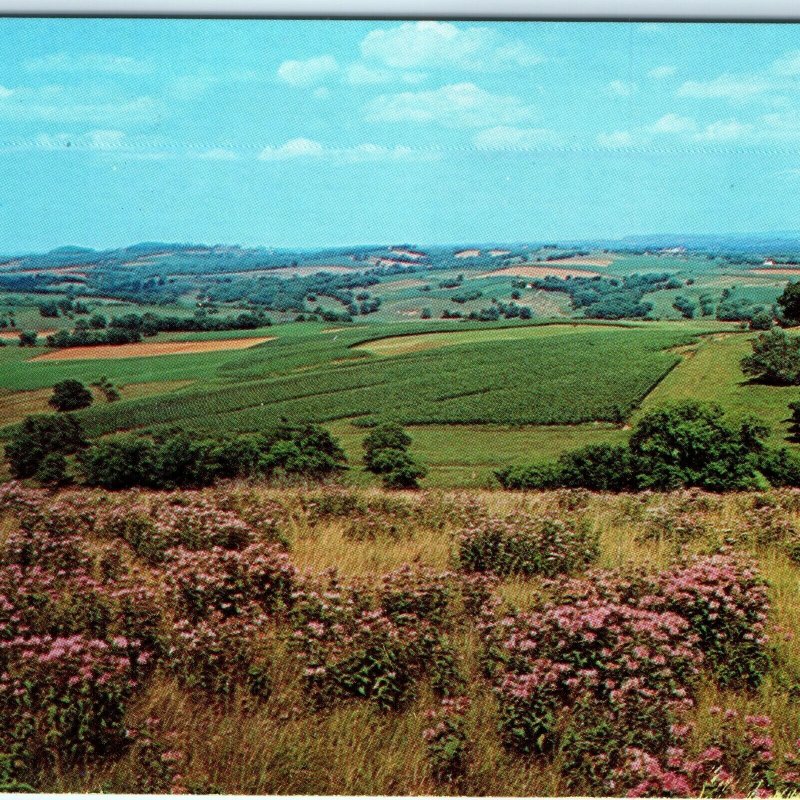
x=347, y=641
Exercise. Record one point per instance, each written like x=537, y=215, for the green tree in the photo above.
x=52, y=471
x=398, y=468
x=120, y=463
x=761, y=321
x=70, y=395
x=28, y=338
x=692, y=444
x=37, y=437
x=775, y=358
x=789, y=303
x=388, y=436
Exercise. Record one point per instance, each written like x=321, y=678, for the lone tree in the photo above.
x=775, y=358
x=789, y=302
x=386, y=453
x=70, y=395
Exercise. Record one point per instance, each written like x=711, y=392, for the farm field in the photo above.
x=152, y=349
x=474, y=400
x=274, y=711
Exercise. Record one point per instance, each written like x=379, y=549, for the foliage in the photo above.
x=40, y=436
x=525, y=545
x=775, y=358
x=70, y=395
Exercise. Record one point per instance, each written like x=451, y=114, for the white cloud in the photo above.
x=322, y=93
x=455, y=105
x=57, y=104
x=673, y=123
x=294, y=148
x=435, y=45
x=665, y=71
x=308, y=72
x=358, y=74
x=88, y=62
x=730, y=87
x=621, y=88
x=788, y=64
x=723, y=131
x=504, y=137
x=617, y=139
x=367, y=152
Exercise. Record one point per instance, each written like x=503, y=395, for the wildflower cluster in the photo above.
x=446, y=739
x=526, y=545
x=374, y=645
x=624, y=652
x=230, y=581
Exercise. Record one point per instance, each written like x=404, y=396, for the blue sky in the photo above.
x=307, y=133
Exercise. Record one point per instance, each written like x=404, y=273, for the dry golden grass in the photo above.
x=282, y=746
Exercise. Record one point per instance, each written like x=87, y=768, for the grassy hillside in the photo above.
x=193, y=723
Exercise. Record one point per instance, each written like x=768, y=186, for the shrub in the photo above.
x=775, y=358
x=217, y=654
x=39, y=436
x=388, y=436
x=65, y=698
x=446, y=739
x=525, y=545
x=70, y=395
x=230, y=581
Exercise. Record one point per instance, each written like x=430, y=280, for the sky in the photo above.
x=312, y=133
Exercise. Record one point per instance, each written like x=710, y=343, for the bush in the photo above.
x=388, y=436
x=120, y=462
x=39, y=436
x=70, y=395
x=386, y=454
x=775, y=358
x=602, y=467
x=525, y=545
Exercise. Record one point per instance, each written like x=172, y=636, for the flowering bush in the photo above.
x=725, y=602
x=526, y=545
x=356, y=643
x=635, y=663
x=217, y=654
x=419, y=591
x=230, y=581
x=64, y=699
x=446, y=739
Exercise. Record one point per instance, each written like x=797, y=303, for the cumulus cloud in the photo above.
x=727, y=86
x=88, y=62
x=673, y=123
x=504, y=137
x=615, y=140
x=455, y=105
x=57, y=104
x=621, y=88
x=665, y=71
x=309, y=72
x=437, y=45
x=311, y=149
